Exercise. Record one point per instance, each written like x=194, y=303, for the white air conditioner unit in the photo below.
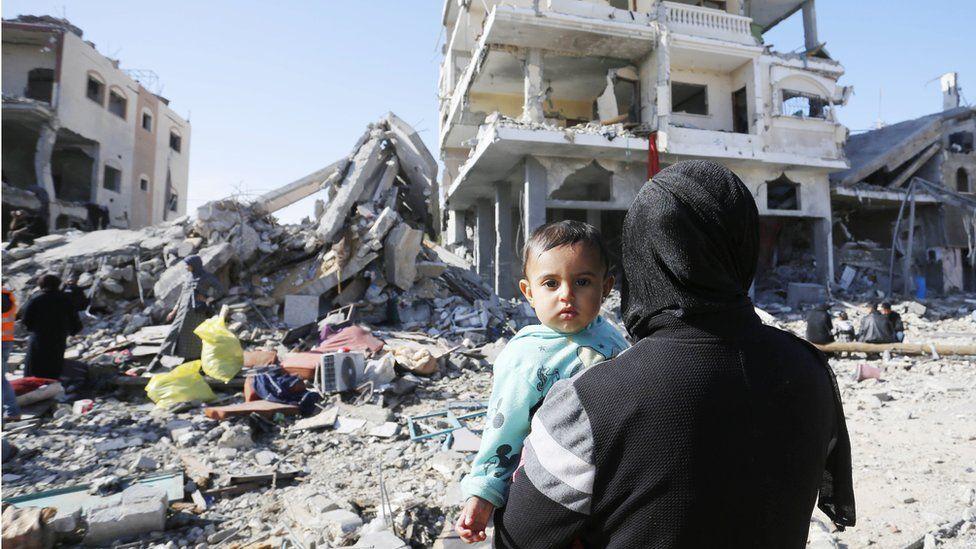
x=338, y=372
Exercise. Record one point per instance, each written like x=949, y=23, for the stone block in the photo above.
x=384, y=222
x=400, y=255
x=140, y=509
x=301, y=310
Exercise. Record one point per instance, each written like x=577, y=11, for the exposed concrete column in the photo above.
x=810, y=41
x=950, y=90
x=663, y=107
x=593, y=217
x=454, y=233
x=485, y=240
x=534, y=194
x=532, y=111
x=42, y=166
x=504, y=243
x=823, y=249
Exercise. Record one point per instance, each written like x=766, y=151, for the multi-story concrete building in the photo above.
x=83, y=130
x=555, y=109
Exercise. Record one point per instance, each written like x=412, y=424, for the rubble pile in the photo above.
x=361, y=277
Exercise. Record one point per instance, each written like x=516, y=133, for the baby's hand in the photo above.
x=474, y=517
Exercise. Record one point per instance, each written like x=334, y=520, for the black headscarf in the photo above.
x=200, y=280
x=690, y=245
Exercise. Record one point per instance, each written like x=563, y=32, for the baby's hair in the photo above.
x=564, y=233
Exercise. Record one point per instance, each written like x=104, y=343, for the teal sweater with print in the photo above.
x=524, y=372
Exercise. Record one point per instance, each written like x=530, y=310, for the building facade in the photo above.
x=880, y=203
x=561, y=109
x=83, y=130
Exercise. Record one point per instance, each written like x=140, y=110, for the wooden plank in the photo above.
x=943, y=349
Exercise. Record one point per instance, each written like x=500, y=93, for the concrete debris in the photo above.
x=137, y=510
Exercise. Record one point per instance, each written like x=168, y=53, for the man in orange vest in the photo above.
x=10, y=408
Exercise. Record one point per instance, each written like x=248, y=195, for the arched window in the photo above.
x=962, y=180
x=782, y=194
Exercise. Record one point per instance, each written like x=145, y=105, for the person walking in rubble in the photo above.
x=712, y=430
x=193, y=307
x=50, y=317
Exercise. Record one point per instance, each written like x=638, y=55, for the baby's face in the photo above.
x=565, y=286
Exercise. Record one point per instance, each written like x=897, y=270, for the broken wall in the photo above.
x=19, y=59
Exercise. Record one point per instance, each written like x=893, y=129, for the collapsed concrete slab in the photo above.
x=400, y=255
x=139, y=509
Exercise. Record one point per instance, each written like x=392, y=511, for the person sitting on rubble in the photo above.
x=75, y=294
x=819, y=328
x=566, y=278
x=50, y=318
x=24, y=228
x=875, y=327
x=894, y=322
x=712, y=430
x=200, y=289
x=843, y=328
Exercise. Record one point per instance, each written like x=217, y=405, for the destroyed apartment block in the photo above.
x=563, y=109
x=910, y=186
x=85, y=138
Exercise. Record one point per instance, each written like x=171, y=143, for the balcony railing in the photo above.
x=709, y=23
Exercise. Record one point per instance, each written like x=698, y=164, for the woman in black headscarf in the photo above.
x=192, y=308
x=713, y=430
x=50, y=318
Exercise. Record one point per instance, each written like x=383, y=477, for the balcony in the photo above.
x=709, y=23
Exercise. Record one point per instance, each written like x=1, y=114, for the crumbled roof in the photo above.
x=47, y=20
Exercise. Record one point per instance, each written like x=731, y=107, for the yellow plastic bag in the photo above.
x=183, y=384
x=221, y=355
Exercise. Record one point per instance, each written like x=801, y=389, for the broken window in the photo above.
x=175, y=141
x=172, y=203
x=782, y=194
x=117, y=103
x=689, y=98
x=112, y=179
x=147, y=121
x=961, y=142
x=804, y=105
x=96, y=90
x=143, y=184
x=962, y=181
x=740, y=111
x=40, y=84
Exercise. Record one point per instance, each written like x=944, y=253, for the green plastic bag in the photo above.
x=183, y=384
x=221, y=355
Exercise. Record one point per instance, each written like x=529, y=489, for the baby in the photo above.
x=566, y=278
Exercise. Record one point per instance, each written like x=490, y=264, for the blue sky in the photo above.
x=277, y=91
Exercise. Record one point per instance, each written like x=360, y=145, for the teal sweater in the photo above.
x=524, y=372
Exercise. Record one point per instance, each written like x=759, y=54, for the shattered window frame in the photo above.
x=173, y=202
x=112, y=178
x=175, y=141
x=804, y=105
x=692, y=94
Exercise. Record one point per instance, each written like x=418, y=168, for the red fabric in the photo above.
x=25, y=385
x=354, y=338
x=653, y=160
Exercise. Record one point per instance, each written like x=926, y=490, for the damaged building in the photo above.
x=562, y=109
x=85, y=132
x=915, y=177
